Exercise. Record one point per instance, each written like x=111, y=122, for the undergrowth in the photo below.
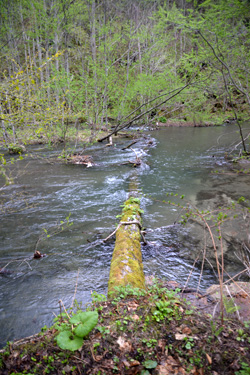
x=151, y=331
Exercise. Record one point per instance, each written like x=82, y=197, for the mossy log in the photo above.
x=16, y=149
x=126, y=265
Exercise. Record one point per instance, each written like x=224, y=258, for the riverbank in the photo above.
x=139, y=332
x=54, y=135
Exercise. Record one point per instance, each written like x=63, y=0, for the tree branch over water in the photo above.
x=135, y=118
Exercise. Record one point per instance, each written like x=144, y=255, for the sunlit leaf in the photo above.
x=86, y=322
x=65, y=340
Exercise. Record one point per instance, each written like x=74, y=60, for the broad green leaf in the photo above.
x=65, y=340
x=150, y=364
x=86, y=322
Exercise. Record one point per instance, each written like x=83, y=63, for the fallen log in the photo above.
x=126, y=264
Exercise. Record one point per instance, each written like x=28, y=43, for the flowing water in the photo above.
x=45, y=193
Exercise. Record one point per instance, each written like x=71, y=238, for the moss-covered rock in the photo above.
x=126, y=265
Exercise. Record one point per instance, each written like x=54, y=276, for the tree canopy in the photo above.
x=98, y=63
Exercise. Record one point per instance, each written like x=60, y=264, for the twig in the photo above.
x=232, y=278
x=215, y=307
x=190, y=274
x=123, y=223
x=144, y=239
x=131, y=144
x=75, y=288
x=61, y=303
x=227, y=281
x=203, y=260
x=220, y=272
x=25, y=261
x=233, y=302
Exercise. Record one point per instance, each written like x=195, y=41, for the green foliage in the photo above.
x=149, y=364
x=216, y=331
x=166, y=309
x=122, y=292
x=83, y=323
x=67, y=341
x=71, y=66
x=150, y=342
x=245, y=369
x=58, y=228
x=98, y=298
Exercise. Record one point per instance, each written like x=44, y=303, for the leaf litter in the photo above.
x=136, y=334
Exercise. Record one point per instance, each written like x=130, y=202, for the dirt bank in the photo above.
x=139, y=332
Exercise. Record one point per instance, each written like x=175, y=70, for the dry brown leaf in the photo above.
x=107, y=363
x=134, y=363
x=135, y=317
x=162, y=344
x=171, y=367
x=129, y=364
x=15, y=353
x=123, y=344
x=162, y=370
x=132, y=306
x=209, y=359
x=126, y=363
x=187, y=330
x=180, y=336
x=171, y=361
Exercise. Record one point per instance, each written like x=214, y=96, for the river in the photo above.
x=45, y=193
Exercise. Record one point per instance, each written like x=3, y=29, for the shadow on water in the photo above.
x=46, y=193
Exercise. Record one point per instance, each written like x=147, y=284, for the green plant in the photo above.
x=121, y=292
x=189, y=342
x=56, y=229
x=98, y=298
x=96, y=346
x=242, y=335
x=162, y=119
x=215, y=331
x=245, y=369
x=166, y=309
x=103, y=330
x=44, y=328
x=82, y=324
x=149, y=364
x=150, y=343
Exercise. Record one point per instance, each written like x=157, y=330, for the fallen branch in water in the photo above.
x=131, y=144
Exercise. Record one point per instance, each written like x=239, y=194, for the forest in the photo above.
x=73, y=65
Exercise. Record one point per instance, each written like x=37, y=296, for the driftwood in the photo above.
x=137, y=162
x=131, y=144
x=81, y=159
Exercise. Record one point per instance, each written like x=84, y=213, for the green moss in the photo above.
x=126, y=265
x=16, y=149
